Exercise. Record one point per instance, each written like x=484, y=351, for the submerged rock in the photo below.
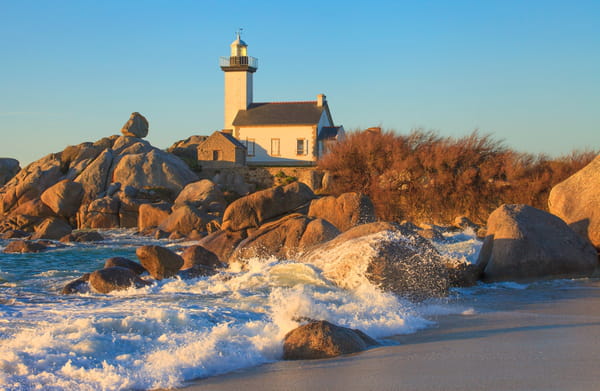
x=82, y=237
x=24, y=246
x=321, y=339
x=79, y=285
x=126, y=263
x=524, y=243
x=115, y=279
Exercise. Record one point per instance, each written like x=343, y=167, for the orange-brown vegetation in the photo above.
x=424, y=177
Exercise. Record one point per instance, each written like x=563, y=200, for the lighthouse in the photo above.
x=238, y=69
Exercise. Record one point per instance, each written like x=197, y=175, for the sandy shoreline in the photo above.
x=524, y=340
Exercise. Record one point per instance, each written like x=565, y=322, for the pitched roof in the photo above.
x=280, y=113
x=233, y=140
x=328, y=132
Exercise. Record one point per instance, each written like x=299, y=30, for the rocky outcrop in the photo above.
x=188, y=148
x=523, y=243
x=285, y=238
x=115, y=279
x=153, y=215
x=103, y=183
x=63, y=198
x=154, y=169
x=386, y=255
x=100, y=213
x=223, y=243
x=8, y=169
x=160, y=262
x=204, y=194
x=344, y=212
x=255, y=209
x=186, y=219
x=51, y=228
x=321, y=339
x=136, y=126
x=576, y=200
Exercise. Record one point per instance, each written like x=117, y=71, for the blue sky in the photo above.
x=527, y=72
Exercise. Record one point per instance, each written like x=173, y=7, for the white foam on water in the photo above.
x=176, y=330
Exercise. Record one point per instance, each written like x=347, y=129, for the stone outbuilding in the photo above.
x=221, y=150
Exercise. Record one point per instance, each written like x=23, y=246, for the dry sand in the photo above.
x=524, y=340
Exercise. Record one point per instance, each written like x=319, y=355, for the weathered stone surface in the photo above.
x=136, y=126
x=34, y=208
x=321, y=339
x=24, y=246
x=115, y=279
x=153, y=215
x=576, y=200
x=95, y=177
x=100, y=213
x=126, y=263
x=188, y=148
x=154, y=169
x=186, y=219
x=78, y=285
x=129, y=211
x=82, y=237
x=223, y=243
x=51, y=228
x=524, y=243
x=202, y=193
x=64, y=197
x=255, y=209
x=344, y=212
x=198, y=261
x=159, y=261
x=285, y=238
x=385, y=254
x=8, y=169
x=14, y=234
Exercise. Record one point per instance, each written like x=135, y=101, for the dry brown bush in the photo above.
x=423, y=177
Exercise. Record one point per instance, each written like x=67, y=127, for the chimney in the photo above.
x=320, y=100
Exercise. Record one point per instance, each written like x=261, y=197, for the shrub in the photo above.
x=424, y=177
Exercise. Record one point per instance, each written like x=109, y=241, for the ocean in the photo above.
x=175, y=330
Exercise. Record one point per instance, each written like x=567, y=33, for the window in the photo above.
x=301, y=146
x=250, y=146
x=275, y=147
x=216, y=154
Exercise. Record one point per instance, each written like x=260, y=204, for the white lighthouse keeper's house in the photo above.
x=274, y=133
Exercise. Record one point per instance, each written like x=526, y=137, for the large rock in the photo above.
x=255, y=209
x=524, y=243
x=24, y=246
x=129, y=211
x=285, y=238
x=198, y=261
x=186, y=219
x=344, y=212
x=115, y=279
x=100, y=213
x=321, y=339
x=203, y=193
x=64, y=198
x=386, y=255
x=223, y=243
x=136, y=126
x=576, y=200
x=8, y=169
x=126, y=263
x=159, y=261
x=153, y=215
x=154, y=169
x=95, y=177
x=52, y=228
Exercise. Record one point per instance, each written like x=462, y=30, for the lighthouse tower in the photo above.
x=238, y=68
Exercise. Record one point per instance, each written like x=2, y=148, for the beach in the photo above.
x=544, y=337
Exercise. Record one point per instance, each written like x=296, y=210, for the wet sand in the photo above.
x=515, y=340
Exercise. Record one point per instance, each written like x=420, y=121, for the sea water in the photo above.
x=176, y=330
